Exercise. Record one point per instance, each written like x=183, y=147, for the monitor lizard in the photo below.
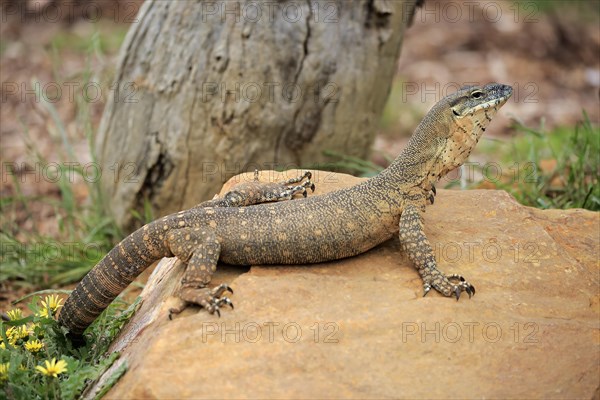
x=249, y=225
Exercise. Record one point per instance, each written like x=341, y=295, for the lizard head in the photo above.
x=464, y=115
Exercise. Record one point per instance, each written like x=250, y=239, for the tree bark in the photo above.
x=207, y=90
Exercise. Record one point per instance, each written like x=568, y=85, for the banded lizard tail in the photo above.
x=249, y=226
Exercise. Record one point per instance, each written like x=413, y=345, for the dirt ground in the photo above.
x=552, y=59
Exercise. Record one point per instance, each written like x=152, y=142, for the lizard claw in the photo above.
x=470, y=290
x=461, y=286
x=450, y=286
x=215, y=306
x=217, y=291
x=457, y=292
x=426, y=289
x=430, y=194
x=290, y=191
x=210, y=299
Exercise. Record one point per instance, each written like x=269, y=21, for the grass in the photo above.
x=36, y=361
x=85, y=232
x=530, y=9
x=557, y=169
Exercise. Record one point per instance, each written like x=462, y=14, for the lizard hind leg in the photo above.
x=415, y=244
x=200, y=250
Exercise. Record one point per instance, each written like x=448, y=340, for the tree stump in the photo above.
x=207, y=90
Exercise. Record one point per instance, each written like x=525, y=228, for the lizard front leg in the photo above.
x=200, y=250
x=256, y=192
x=415, y=244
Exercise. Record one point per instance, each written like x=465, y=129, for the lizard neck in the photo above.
x=415, y=167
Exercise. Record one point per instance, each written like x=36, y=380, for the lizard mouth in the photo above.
x=494, y=103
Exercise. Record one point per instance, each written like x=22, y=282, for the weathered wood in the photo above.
x=212, y=89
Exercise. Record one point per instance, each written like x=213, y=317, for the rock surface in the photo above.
x=360, y=328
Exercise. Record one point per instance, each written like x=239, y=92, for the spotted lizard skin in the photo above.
x=250, y=226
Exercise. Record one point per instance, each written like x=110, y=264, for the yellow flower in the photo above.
x=15, y=333
x=53, y=302
x=53, y=368
x=33, y=346
x=15, y=314
x=31, y=329
x=4, y=371
x=2, y=345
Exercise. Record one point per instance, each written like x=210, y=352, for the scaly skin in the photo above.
x=237, y=230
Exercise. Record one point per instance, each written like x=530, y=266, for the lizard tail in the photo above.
x=111, y=276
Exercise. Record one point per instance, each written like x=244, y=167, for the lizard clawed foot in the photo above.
x=208, y=298
x=462, y=285
x=446, y=286
x=292, y=190
x=431, y=195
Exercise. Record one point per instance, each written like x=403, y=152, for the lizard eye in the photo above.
x=477, y=94
x=455, y=112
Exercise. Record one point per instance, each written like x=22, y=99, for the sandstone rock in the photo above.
x=360, y=328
